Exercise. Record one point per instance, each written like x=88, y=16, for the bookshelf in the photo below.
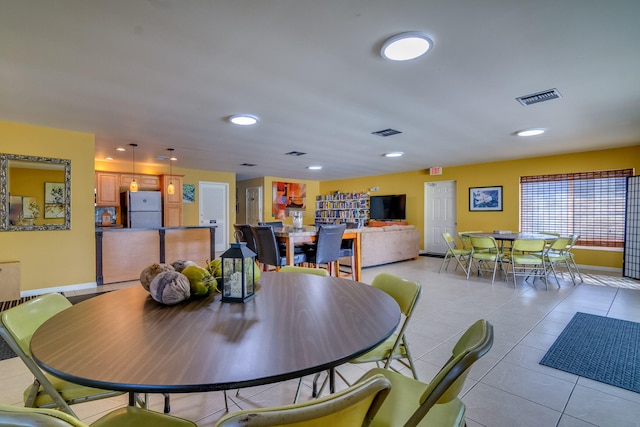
x=342, y=208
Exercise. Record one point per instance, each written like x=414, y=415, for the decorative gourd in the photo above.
x=202, y=283
x=256, y=273
x=180, y=265
x=170, y=288
x=149, y=273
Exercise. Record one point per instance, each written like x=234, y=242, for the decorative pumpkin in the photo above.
x=170, y=288
x=202, y=282
x=181, y=264
x=149, y=273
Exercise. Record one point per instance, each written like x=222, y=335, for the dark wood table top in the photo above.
x=298, y=324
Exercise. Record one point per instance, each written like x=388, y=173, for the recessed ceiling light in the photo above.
x=406, y=46
x=314, y=168
x=121, y=149
x=108, y=158
x=531, y=132
x=394, y=154
x=243, y=119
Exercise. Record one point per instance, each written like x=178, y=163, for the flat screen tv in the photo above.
x=388, y=207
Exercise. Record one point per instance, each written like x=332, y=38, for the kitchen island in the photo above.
x=122, y=253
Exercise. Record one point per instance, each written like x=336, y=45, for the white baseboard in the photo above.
x=600, y=268
x=67, y=288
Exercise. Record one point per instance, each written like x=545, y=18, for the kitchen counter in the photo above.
x=122, y=253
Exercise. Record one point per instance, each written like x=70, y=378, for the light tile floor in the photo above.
x=506, y=388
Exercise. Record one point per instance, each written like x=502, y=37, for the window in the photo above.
x=591, y=204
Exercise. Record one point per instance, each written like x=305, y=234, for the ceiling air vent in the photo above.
x=248, y=164
x=295, y=153
x=534, y=98
x=386, y=132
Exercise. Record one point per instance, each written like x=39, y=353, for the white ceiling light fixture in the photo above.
x=394, y=154
x=314, y=168
x=244, y=119
x=531, y=132
x=406, y=46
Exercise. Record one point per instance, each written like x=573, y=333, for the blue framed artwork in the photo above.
x=188, y=193
x=485, y=198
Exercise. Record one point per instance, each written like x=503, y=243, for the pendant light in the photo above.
x=133, y=187
x=170, y=188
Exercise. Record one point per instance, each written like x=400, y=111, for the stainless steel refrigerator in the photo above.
x=142, y=209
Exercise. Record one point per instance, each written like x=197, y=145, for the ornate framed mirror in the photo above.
x=35, y=193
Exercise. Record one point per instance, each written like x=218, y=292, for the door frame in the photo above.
x=224, y=234
x=428, y=201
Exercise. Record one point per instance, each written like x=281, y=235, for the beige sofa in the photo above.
x=392, y=243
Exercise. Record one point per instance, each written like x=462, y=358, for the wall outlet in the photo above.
x=374, y=189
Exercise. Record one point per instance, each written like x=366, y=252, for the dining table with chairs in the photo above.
x=292, y=236
x=298, y=324
x=525, y=253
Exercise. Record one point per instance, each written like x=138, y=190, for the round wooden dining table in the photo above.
x=296, y=325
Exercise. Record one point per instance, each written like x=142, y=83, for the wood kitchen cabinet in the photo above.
x=145, y=182
x=171, y=203
x=107, y=189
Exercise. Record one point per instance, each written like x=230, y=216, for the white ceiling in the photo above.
x=168, y=73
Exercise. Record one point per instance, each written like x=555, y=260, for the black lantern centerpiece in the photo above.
x=238, y=264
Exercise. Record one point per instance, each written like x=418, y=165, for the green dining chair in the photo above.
x=460, y=255
x=396, y=347
x=354, y=406
x=465, y=238
x=524, y=260
x=17, y=326
x=485, y=256
x=556, y=255
x=572, y=263
x=129, y=416
x=435, y=404
x=406, y=293
x=304, y=270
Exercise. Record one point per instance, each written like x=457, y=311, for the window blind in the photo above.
x=591, y=204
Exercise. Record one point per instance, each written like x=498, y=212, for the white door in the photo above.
x=439, y=214
x=253, y=205
x=214, y=210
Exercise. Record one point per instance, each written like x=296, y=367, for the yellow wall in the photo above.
x=507, y=175
x=58, y=257
x=31, y=183
x=267, y=194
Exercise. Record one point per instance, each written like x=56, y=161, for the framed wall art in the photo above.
x=188, y=193
x=485, y=198
x=54, y=193
x=288, y=195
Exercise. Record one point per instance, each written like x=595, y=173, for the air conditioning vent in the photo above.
x=386, y=132
x=534, y=98
x=295, y=153
x=248, y=164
